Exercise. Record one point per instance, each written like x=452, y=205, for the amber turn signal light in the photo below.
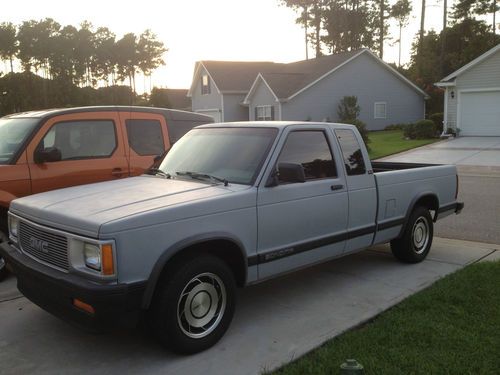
x=83, y=306
x=108, y=266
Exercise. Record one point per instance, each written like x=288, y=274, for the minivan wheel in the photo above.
x=416, y=241
x=194, y=305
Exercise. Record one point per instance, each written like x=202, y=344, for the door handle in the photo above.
x=337, y=187
x=117, y=172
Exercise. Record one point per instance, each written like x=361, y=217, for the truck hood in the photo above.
x=84, y=209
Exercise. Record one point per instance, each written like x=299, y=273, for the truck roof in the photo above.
x=272, y=124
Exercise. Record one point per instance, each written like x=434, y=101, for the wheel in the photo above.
x=416, y=241
x=3, y=266
x=194, y=305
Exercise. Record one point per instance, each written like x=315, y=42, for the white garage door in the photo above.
x=480, y=113
x=214, y=113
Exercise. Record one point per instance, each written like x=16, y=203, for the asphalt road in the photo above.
x=480, y=219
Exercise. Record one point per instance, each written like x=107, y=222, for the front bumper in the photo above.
x=114, y=304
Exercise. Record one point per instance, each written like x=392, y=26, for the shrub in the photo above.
x=348, y=108
x=423, y=129
x=437, y=118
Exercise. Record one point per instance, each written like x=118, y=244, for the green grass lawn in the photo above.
x=453, y=327
x=390, y=142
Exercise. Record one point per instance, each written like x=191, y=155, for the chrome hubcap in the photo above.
x=201, y=305
x=420, y=235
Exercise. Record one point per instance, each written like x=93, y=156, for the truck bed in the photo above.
x=385, y=166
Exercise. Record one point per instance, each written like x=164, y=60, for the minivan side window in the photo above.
x=351, y=151
x=145, y=137
x=86, y=139
x=312, y=151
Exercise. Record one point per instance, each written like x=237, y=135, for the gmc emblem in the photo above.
x=39, y=245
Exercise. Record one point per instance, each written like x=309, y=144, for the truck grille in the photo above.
x=45, y=246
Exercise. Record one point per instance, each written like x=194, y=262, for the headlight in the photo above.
x=13, y=226
x=92, y=256
x=99, y=257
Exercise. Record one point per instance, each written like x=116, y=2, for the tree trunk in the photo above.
x=400, y=32
x=443, y=36
x=382, y=31
x=305, y=31
x=11, y=65
x=421, y=38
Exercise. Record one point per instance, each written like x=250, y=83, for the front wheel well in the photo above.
x=226, y=250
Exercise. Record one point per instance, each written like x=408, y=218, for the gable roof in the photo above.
x=284, y=80
x=297, y=77
x=466, y=67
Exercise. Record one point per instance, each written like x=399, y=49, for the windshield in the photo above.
x=13, y=132
x=231, y=154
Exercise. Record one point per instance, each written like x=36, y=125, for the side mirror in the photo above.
x=49, y=154
x=288, y=173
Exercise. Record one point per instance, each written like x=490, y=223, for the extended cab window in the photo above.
x=312, y=151
x=145, y=137
x=351, y=151
x=86, y=139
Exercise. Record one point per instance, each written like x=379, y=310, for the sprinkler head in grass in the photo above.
x=351, y=367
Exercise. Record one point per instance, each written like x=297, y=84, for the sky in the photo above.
x=193, y=30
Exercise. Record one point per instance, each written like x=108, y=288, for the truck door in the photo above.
x=146, y=137
x=362, y=191
x=302, y=223
x=90, y=146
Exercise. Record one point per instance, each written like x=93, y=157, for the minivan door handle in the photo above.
x=337, y=187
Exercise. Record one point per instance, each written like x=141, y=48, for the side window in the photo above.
x=205, y=84
x=351, y=151
x=145, y=137
x=311, y=149
x=82, y=139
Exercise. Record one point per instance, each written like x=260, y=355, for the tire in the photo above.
x=3, y=265
x=416, y=241
x=194, y=305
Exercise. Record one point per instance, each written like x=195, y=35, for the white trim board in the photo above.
x=254, y=87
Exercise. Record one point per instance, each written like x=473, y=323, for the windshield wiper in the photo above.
x=202, y=176
x=158, y=172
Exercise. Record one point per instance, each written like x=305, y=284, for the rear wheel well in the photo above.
x=428, y=201
x=226, y=250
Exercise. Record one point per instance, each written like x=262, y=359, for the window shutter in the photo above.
x=256, y=114
x=272, y=113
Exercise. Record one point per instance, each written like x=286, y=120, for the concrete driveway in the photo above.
x=465, y=152
x=275, y=322
x=478, y=164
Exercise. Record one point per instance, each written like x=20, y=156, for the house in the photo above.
x=308, y=90
x=472, y=96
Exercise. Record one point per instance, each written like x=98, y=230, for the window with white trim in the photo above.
x=205, y=84
x=380, y=110
x=264, y=113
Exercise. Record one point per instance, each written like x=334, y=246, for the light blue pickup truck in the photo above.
x=230, y=205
